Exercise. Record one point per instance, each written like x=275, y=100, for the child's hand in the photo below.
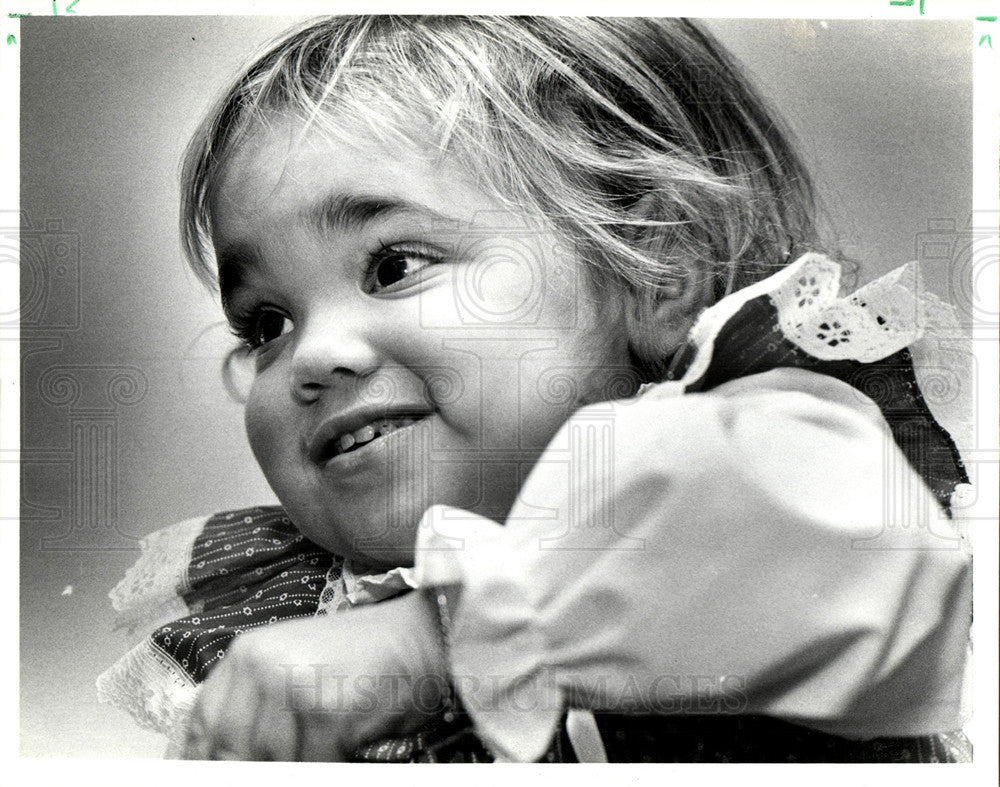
x=317, y=689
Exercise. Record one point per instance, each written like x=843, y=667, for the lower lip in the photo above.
x=373, y=454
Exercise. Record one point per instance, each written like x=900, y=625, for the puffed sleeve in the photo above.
x=763, y=548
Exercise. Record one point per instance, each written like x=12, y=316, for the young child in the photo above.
x=563, y=275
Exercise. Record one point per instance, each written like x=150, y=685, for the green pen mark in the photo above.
x=12, y=39
x=987, y=39
x=908, y=3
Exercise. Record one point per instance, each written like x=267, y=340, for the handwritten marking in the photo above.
x=986, y=38
x=12, y=39
x=908, y=3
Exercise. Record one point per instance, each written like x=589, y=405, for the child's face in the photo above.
x=416, y=343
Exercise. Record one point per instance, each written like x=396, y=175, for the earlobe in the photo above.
x=657, y=327
x=659, y=319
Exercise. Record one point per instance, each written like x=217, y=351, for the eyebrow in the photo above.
x=351, y=212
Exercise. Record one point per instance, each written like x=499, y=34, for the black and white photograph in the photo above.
x=583, y=384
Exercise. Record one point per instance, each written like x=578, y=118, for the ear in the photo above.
x=658, y=320
x=658, y=324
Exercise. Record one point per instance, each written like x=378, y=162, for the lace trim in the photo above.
x=876, y=321
x=349, y=586
x=879, y=319
x=152, y=588
x=150, y=686
x=330, y=596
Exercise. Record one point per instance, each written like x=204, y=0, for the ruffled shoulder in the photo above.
x=891, y=340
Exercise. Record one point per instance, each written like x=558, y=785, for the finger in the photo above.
x=232, y=707
x=320, y=738
x=197, y=741
x=325, y=724
x=220, y=723
x=276, y=729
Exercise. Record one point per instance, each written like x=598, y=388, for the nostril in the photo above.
x=308, y=392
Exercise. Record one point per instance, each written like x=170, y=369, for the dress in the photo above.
x=746, y=549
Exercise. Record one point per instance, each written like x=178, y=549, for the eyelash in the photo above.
x=387, y=252
x=247, y=324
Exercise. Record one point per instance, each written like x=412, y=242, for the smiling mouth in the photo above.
x=369, y=433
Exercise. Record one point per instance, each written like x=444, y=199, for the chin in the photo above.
x=378, y=542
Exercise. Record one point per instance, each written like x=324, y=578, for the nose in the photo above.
x=330, y=352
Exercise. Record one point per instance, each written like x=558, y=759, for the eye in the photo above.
x=392, y=264
x=260, y=327
x=270, y=325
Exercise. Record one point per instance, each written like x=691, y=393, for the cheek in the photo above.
x=262, y=420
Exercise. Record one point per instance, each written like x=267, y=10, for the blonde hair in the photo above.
x=640, y=140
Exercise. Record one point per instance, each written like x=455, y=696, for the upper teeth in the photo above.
x=369, y=432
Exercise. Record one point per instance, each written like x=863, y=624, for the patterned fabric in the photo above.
x=248, y=568
x=240, y=570
x=440, y=742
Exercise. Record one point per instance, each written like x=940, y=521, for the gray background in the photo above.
x=125, y=424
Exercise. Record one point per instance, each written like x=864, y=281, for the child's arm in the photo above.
x=316, y=689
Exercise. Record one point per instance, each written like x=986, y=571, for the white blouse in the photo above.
x=763, y=548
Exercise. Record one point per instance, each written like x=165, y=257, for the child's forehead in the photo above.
x=289, y=176
x=300, y=162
